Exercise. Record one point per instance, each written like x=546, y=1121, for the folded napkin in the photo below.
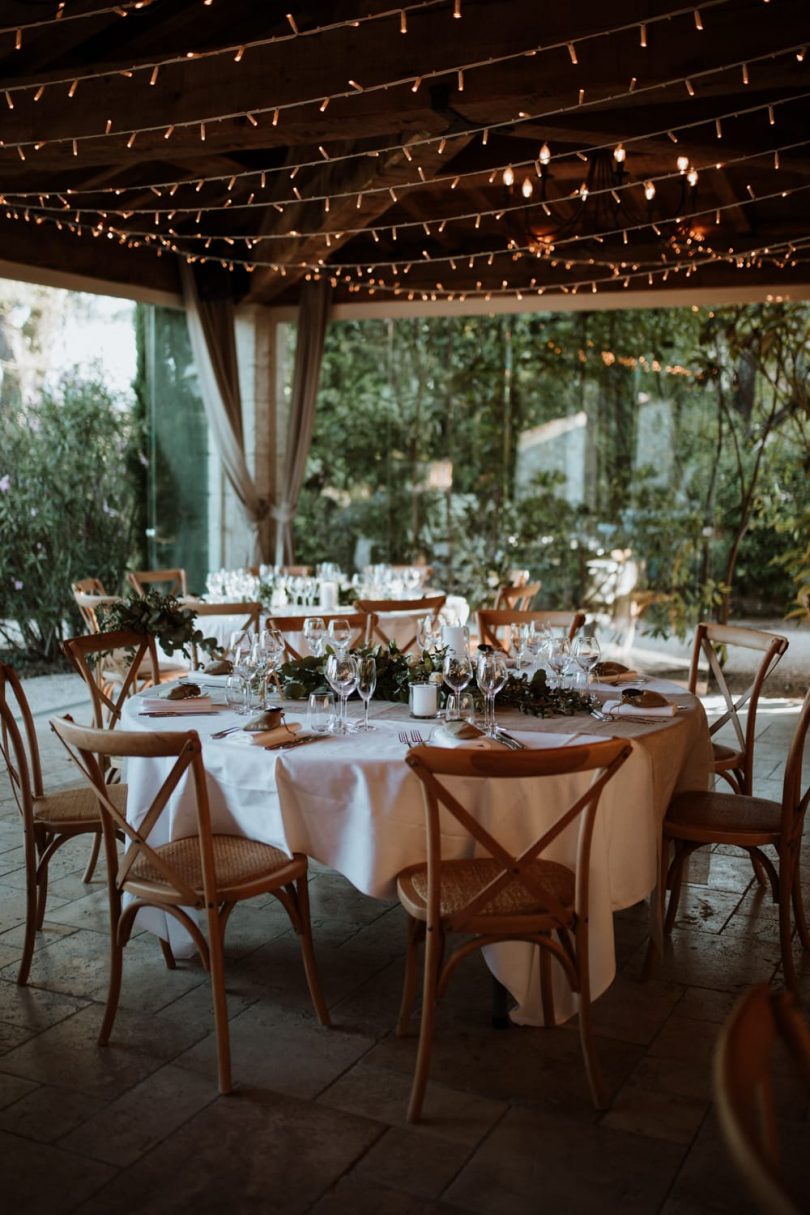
x=162, y=704
x=275, y=738
x=463, y=734
x=621, y=708
x=620, y=677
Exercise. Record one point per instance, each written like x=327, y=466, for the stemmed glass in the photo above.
x=366, y=683
x=457, y=671
x=532, y=642
x=558, y=651
x=490, y=675
x=587, y=653
x=340, y=634
x=429, y=632
x=341, y=672
x=240, y=654
x=315, y=633
x=271, y=648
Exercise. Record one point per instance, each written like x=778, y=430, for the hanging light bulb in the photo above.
x=619, y=154
x=508, y=176
x=692, y=176
x=527, y=189
x=545, y=154
x=649, y=190
x=683, y=163
x=583, y=191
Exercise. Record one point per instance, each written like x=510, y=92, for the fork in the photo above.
x=416, y=739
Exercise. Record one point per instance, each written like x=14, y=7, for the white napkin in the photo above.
x=442, y=737
x=621, y=708
x=162, y=704
x=275, y=738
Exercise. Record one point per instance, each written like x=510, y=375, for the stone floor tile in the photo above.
x=35, y=1007
x=48, y=1113
x=705, y=908
x=378, y=1093
x=350, y=1197
x=642, y=1110
x=533, y=1162
x=42, y=1180
x=14, y=1087
x=722, y=962
x=400, y=1161
x=252, y=1152
x=634, y=1011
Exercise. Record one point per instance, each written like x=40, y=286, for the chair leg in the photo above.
x=216, y=959
x=114, y=987
x=759, y=869
x=415, y=928
x=786, y=880
x=93, y=858
x=655, y=943
x=592, y=1068
x=434, y=950
x=31, y=909
x=308, y=953
x=798, y=906
x=676, y=882
x=546, y=988
x=168, y=955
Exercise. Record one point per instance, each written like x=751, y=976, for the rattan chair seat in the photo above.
x=715, y=811
x=462, y=880
x=67, y=806
x=237, y=862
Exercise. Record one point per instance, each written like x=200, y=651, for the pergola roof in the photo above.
x=375, y=144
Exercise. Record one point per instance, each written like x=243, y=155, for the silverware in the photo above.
x=224, y=733
x=514, y=744
x=299, y=742
x=191, y=713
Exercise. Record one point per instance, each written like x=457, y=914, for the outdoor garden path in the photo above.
x=317, y=1119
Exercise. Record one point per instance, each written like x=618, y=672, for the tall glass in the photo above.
x=366, y=683
x=558, y=651
x=457, y=672
x=587, y=653
x=341, y=672
x=340, y=634
x=315, y=634
x=490, y=674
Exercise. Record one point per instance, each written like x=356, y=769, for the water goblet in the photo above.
x=341, y=673
x=558, y=651
x=490, y=675
x=587, y=653
x=366, y=683
x=340, y=634
x=457, y=672
x=321, y=712
x=315, y=634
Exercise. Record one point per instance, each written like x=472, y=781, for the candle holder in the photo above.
x=423, y=700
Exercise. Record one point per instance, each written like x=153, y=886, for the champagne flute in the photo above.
x=490, y=675
x=315, y=634
x=457, y=672
x=340, y=634
x=341, y=672
x=366, y=683
x=587, y=653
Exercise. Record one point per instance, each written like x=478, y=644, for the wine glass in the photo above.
x=532, y=642
x=558, y=651
x=341, y=672
x=429, y=632
x=340, y=634
x=315, y=633
x=587, y=653
x=457, y=672
x=271, y=647
x=490, y=675
x=239, y=650
x=366, y=683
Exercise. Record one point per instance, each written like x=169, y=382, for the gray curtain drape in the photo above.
x=213, y=344
x=313, y=315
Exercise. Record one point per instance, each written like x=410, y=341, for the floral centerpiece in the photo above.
x=162, y=617
x=395, y=671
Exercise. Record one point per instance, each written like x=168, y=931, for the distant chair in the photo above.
x=167, y=582
x=735, y=764
x=131, y=656
x=516, y=598
x=397, y=619
x=744, y=1090
x=201, y=871
x=293, y=627
x=49, y=820
x=491, y=622
x=89, y=595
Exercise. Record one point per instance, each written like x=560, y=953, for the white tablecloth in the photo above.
x=353, y=804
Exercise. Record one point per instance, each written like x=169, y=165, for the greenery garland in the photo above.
x=395, y=671
x=162, y=617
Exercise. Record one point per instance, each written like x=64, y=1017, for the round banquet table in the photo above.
x=353, y=804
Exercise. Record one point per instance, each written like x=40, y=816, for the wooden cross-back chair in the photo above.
x=168, y=581
x=132, y=657
x=498, y=895
x=206, y=872
x=516, y=598
x=89, y=595
x=399, y=618
x=246, y=614
x=760, y=1022
x=49, y=819
x=495, y=627
x=698, y=817
x=735, y=764
x=293, y=626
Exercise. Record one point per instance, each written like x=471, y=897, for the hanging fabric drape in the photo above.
x=213, y=344
x=312, y=319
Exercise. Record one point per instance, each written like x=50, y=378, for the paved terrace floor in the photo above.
x=317, y=1119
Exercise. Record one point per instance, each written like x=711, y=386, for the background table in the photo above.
x=353, y=804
